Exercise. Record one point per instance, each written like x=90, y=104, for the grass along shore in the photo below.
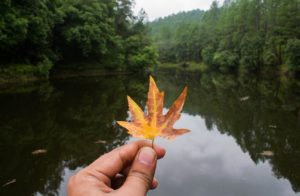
x=187, y=66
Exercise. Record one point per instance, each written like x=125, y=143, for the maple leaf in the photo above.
x=154, y=123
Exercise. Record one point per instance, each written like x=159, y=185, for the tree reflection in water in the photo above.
x=68, y=117
x=268, y=120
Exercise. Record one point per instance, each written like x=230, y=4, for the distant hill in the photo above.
x=237, y=35
x=175, y=20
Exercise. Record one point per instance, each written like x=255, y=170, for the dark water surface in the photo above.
x=235, y=123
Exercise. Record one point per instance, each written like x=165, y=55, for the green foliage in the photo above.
x=251, y=49
x=191, y=66
x=25, y=72
x=293, y=53
x=43, y=67
x=176, y=36
x=269, y=58
x=225, y=59
x=208, y=55
x=43, y=32
x=145, y=58
x=246, y=33
x=86, y=29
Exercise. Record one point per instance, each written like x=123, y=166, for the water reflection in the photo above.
x=233, y=119
x=66, y=118
x=207, y=163
x=268, y=120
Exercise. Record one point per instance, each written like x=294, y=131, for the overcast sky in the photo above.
x=160, y=8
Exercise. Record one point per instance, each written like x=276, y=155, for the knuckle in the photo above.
x=71, y=184
x=142, y=176
x=72, y=179
x=75, y=179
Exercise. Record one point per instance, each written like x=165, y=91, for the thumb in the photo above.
x=141, y=174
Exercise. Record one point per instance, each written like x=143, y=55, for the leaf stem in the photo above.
x=153, y=143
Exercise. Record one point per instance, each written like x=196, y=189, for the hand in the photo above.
x=126, y=171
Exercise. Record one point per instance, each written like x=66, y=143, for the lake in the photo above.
x=244, y=139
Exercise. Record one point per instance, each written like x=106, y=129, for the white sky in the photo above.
x=161, y=8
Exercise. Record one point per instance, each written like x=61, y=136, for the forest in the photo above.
x=247, y=34
x=36, y=35
x=67, y=68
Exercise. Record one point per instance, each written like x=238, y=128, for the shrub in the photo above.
x=208, y=55
x=292, y=53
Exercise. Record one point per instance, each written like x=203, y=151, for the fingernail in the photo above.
x=147, y=156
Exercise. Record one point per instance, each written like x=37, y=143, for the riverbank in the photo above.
x=191, y=66
x=22, y=73
x=184, y=66
x=69, y=72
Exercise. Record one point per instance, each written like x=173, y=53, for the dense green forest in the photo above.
x=177, y=37
x=37, y=34
x=247, y=34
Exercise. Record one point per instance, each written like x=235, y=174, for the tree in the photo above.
x=73, y=32
x=247, y=33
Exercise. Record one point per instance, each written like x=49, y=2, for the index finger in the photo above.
x=110, y=164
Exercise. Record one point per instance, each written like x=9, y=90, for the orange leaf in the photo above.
x=154, y=123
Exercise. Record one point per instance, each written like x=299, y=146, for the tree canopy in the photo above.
x=241, y=33
x=65, y=31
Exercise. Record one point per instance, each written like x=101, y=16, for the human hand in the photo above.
x=126, y=171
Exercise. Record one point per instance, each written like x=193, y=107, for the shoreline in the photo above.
x=13, y=75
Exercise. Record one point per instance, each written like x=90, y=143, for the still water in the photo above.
x=244, y=140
